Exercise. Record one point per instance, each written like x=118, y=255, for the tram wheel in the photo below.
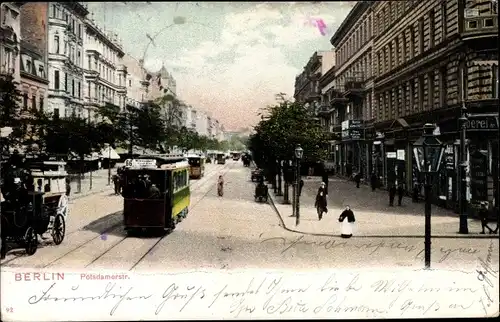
x=58, y=229
x=31, y=241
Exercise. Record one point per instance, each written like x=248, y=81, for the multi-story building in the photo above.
x=307, y=83
x=136, y=83
x=105, y=73
x=430, y=59
x=441, y=56
x=34, y=56
x=66, y=32
x=10, y=40
x=348, y=92
x=201, y=123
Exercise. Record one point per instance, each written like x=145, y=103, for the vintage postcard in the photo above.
x=260, y=160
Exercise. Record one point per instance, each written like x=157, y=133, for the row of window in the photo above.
x=355, y=40
x=73, y=52
x=74, y=87
x=180, y=180
x=411, y=42
x=27, y=101
x=108, y=53
x=56, y=11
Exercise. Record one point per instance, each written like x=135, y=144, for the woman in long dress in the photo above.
x=346, y=220
x=220, y=186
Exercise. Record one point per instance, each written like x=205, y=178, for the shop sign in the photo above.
x=479, y=176
x=391, y=155
x=482, y=122
x=352, y=130
x=449, y=158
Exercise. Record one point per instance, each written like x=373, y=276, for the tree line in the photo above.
x=154, y=126
x=283, y=126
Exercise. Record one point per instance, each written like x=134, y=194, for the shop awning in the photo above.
x=109, y=153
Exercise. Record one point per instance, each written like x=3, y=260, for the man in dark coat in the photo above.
x=483, y=216
x=401, y=192
x=321, y=201
x=373, y=181
x=357, y=179
x=392, y=193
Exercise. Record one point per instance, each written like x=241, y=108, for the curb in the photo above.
x=442, y=236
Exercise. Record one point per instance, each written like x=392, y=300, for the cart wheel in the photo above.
x=31, y=241
x=58, y=229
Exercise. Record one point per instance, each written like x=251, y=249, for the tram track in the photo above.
x=200, y=184
x=226, y=169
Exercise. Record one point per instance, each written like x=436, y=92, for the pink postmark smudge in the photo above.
x=318, y=23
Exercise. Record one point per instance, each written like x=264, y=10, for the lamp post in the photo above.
x=299, y=152
x=462, y=121
x=428, y=151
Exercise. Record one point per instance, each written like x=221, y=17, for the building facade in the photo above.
x=34, y=56
x=10, y=40
x=105, y=72
x=348, y=95
x=136, y=84
x=429, y=60
x=201, y=123
x=307, y=88
x=66, y=33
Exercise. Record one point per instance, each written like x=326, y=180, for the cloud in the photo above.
x=250, y=52
x=260, y=39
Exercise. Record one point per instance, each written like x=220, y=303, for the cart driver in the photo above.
x=260, y=186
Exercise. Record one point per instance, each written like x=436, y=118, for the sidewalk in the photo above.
x=374, y=217
x=99, y=184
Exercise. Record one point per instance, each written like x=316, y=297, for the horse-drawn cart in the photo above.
x=33, y=202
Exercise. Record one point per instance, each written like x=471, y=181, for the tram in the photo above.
x=156, y=192
x=196, y=166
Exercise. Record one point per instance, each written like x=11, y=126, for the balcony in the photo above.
x=53, y=21
x=337, y=98
x=476, y=26
x=353, y=86
x=325, y=110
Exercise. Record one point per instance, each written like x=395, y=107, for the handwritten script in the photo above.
x=442, y=253
x=343, y=294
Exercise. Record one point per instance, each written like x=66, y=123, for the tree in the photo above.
x=282, y=127
x=150, y=127
x=12, y=115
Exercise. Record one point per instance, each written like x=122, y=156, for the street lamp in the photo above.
x=428, y=152
x=463, y=229
x=299, y=153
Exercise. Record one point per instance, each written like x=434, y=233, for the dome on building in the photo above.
x=163, y=72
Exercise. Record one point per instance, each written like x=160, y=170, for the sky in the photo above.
x=229, y=59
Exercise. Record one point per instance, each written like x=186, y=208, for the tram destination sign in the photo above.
x=482, y=122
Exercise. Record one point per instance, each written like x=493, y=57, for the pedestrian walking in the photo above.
x=116, y=183
x=483, y=216
x=357, y=179
x=392, y=193
x=324, y=178
x=220, y=186
x=68, y=187
x=401, y=192
x=373, y=181
x=347, y=221
x=321, y=201
x=416, y=191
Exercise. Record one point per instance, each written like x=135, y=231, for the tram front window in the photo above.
x=144, y=185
